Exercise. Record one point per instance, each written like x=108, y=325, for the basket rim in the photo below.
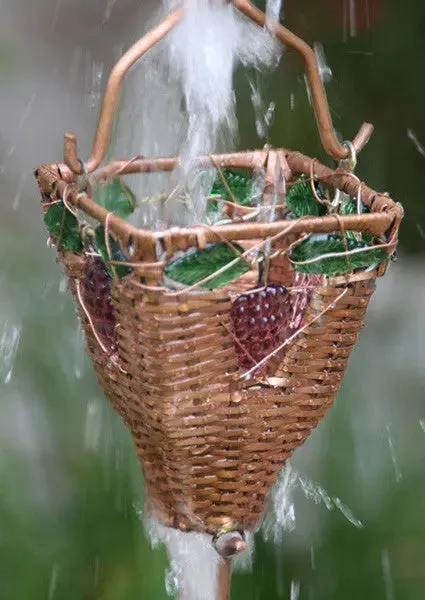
x=384, y=217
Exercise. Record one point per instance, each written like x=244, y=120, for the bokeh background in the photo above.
x=70, y=485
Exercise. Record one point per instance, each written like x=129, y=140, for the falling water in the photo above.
x=295, y=590
x=274, y=12
x=193, y=562
x=95, y=79
x=325, y=71
x=263, y=114
x=193, y=569
x=281, y=515
x=186, y=104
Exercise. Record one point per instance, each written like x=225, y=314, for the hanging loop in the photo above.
x=350, y=162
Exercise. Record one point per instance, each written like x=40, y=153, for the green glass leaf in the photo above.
x=312, y=248
x=350, y=208
x=196, y=266
x=301, y=201
x=116, y=254
x=63, y=225
x=240, y=185
x=116, y=197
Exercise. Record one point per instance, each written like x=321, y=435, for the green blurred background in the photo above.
x=71, y=488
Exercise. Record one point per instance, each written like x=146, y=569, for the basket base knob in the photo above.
x=228, y=544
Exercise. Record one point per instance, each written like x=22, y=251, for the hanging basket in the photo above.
x=215, y=403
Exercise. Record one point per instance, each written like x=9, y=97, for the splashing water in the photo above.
x=205, y=49
x=281, y=517
x=193, y=562
x=313, y=491
x=324, y=68
x=263, y=115
x=10, y=335
x=187, y=102
x=96, y=83
x=325, y=71
x=273, y=12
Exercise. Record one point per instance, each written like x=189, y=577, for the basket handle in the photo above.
x=113, y=88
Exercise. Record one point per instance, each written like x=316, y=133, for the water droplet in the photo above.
x=96, y=83
x=281, y=517
x=53, y=581
x=348, y=513
x=10, y=337
x=324, y=69
x=295, y=590
x=93, y=426
x=386, y=574
x=397, y=470
x=172, y=580
x=419, y=147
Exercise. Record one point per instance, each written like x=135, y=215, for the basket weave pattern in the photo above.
x=211, y=444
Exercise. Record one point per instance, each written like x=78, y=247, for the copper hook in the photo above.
x=112, y=92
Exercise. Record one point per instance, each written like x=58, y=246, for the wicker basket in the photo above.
x=210, y=439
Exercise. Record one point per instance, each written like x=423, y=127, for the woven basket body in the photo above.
x=211, y=440
x=211, y=445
